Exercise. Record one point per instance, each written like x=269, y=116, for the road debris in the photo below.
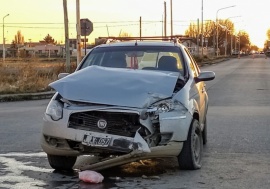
x=90, y=176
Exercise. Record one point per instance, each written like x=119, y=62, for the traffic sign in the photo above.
x=86, y=27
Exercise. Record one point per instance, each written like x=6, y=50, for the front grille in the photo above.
x=123, y=124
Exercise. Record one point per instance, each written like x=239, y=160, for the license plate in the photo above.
x=96, y=141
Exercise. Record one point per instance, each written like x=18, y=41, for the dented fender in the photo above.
x=177, y=123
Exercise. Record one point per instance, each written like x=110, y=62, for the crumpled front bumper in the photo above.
x=56, y=136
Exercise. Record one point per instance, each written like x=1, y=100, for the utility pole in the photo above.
x=108, y=30
x=171, y=20
x=66, y=36
x=140, y=28
x=231, y=44
x=235, y=43
x=165, y=20
x=202, y=30
x=198, y=29
x=79, y=54
x=162, y=28
x=239, y=46
x=4, y=50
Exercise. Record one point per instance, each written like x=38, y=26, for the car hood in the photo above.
x=113, y=86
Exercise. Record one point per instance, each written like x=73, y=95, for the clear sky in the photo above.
x=37, y=18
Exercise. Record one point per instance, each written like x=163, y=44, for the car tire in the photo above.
x=191, y=154
x=204, y=133
x=61, y=162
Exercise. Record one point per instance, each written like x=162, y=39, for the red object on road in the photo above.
x=90, y=176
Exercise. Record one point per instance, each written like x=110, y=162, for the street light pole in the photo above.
x=226, y=42
x=217, y=23
x=239, y=45
x=4, y=50
x=226, y=31
x=202, y=30
x=231, y=34
x=171, y=19
x=231, y=43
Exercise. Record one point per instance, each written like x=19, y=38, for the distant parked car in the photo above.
x=235, y=52
x=120, y=110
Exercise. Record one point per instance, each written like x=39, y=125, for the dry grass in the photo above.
x=30, y=75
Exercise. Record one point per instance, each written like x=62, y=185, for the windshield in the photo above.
x=162, y=58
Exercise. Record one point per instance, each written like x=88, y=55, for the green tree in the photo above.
x=49, y=40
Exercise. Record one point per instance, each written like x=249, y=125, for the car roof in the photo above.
x=140, y=43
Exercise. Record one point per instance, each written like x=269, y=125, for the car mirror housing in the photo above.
x=62, y=75
x=205, y=76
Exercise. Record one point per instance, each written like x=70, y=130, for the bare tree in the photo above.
x=19, y=38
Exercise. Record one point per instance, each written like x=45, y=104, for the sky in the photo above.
x=37, y=18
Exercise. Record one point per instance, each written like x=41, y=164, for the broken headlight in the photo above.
x=163, y=106
x=55, y=110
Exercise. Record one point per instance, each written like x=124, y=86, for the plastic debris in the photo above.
x=90, y=176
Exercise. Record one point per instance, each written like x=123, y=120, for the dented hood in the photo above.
x=113, y=86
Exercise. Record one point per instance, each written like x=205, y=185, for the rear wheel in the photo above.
x=61, y=162
x=191, y=154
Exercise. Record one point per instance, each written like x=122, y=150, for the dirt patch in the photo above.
x=148, y=167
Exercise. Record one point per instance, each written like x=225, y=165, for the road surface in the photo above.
x=237, y=154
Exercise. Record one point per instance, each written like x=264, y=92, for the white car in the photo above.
x=118, y=111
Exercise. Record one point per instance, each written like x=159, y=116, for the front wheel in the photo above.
x=191, y=154
x=61, y=162
x=205, y=132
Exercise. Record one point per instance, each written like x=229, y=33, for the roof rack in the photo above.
x=173, y=38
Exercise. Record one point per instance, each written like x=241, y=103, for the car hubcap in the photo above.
x=196, y=146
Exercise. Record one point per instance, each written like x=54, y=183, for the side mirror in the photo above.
x=62, y=75
x=205, y=76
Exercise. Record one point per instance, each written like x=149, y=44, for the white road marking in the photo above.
x=17, y=154
x=12, y=172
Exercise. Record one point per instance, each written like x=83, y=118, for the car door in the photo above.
x=200, y=87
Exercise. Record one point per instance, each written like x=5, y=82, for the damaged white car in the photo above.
x=128, y=101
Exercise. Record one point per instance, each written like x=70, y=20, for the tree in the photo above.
x=49, y=40
x=16, y=43
x=254, y=47
x=244, y=40
x=19, y=38
x=225, y=28
x=268, y=34
x=124, y=34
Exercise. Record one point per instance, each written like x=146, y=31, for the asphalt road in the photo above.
x=237, y=154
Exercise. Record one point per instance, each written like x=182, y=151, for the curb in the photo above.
x=26, y=96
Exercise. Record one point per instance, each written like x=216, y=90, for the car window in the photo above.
x=192, y=64
x=137, y=57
